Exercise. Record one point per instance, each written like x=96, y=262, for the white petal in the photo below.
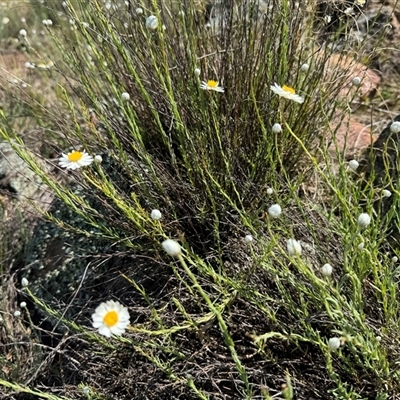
x=105, y=331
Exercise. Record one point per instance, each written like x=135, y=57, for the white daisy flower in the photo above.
x=75, y=160
x=172, y=247
x=110, y=318
x=287, y=92
x=22, y=32
x=98, y=159
x=211, y=85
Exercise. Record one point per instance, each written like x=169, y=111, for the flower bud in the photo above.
x=248, y=238
x=327, y=270
x=293, y=247
x=172, y=247
x=363, y=220
x=334, y=343
x=395, y=127
x=152, y=22
x=354, y=164
x=155, y=214
x=277, y=128
x=275, y=211
x=125, y=96
x=304, y=68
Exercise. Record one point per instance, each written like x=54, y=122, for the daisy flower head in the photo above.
x=305, y=67
x=277, y=128
x=75, y=159
x=363, y=220
x=334, y=343
x=356, y=81
x=110, y=318
x=211, y=85
x=172, y=247
x=275, y=211
x=287, y=92
x=354, y=164
x=395, y=127
x=125, y=96
x=152, y=22
x=156, y=214
x=327, y=270
x=293, y=247
x=248, y=238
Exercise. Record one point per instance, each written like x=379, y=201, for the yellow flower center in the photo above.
x=75, y=156
x=212, y=84
x=111, y=318
x=288, y=89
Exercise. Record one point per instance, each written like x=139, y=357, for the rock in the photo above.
x=339, y=65
x=351, y=137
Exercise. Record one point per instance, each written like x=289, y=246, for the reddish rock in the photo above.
x=351, y=137
x=341, y=66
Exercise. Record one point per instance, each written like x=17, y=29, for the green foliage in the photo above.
x=206, y=160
